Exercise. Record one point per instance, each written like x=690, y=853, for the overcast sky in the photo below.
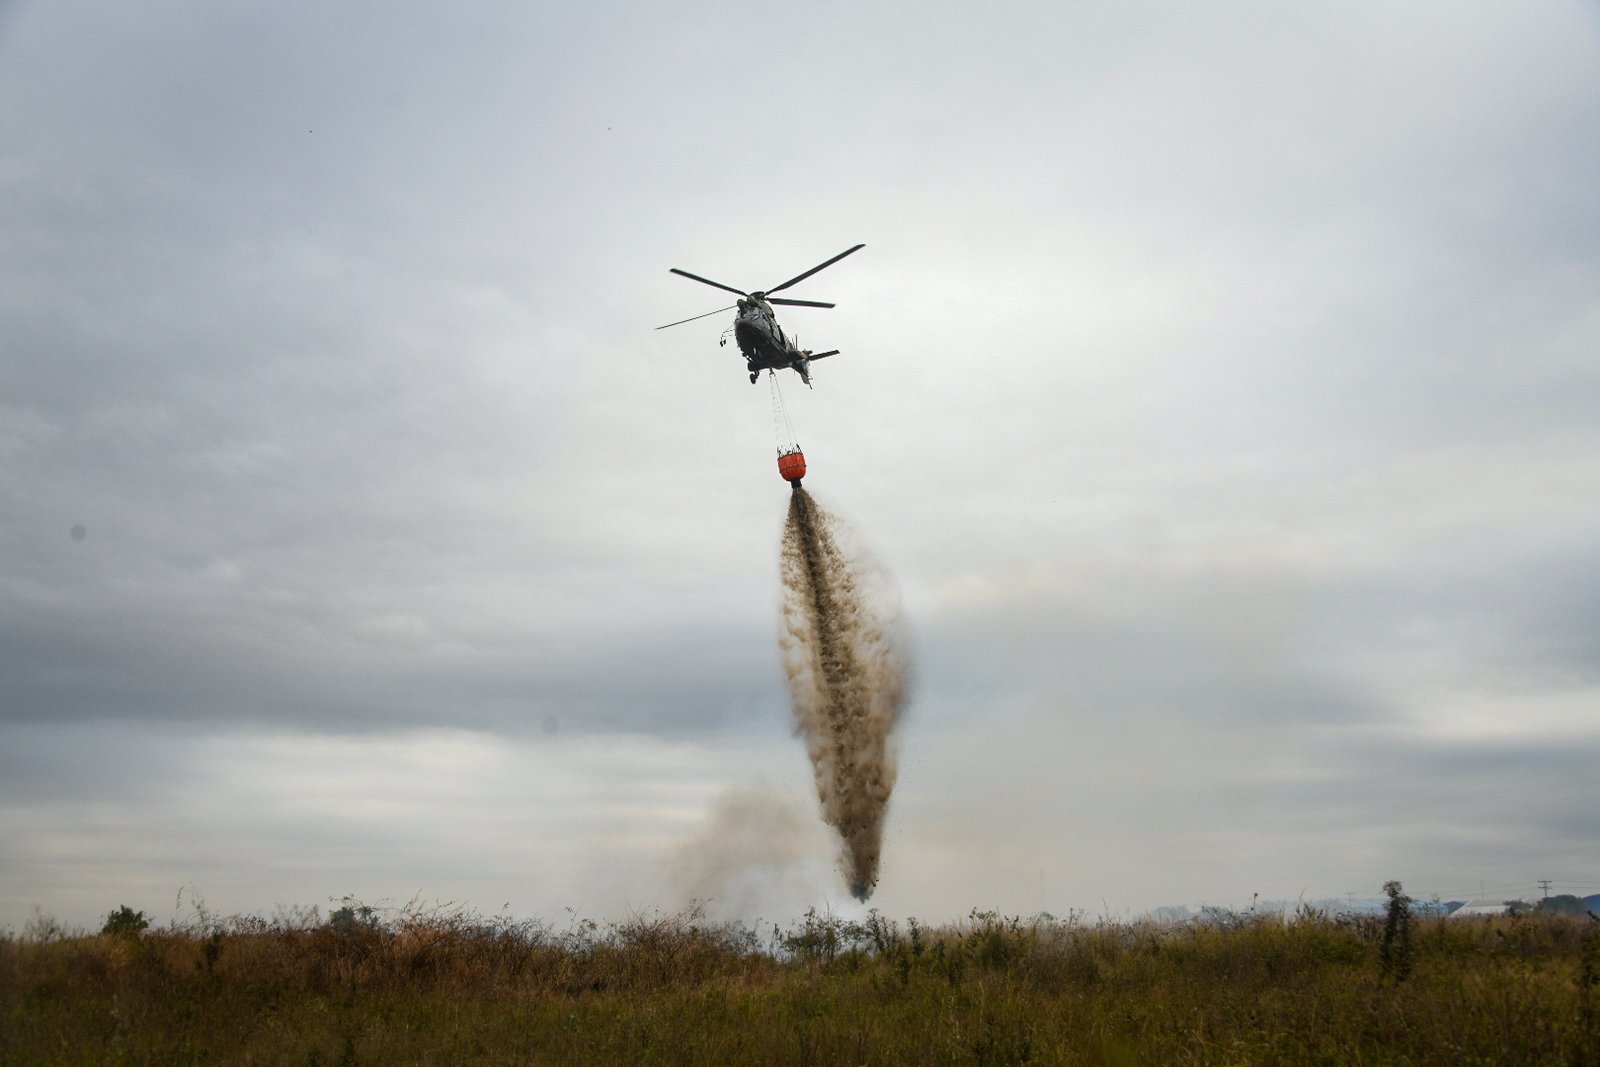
x=1219, y=382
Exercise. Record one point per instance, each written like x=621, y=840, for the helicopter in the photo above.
x=755, y=327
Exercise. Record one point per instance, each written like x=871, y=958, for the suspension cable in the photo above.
x=782, y=428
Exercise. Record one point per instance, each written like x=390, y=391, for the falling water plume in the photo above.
x=847, y=677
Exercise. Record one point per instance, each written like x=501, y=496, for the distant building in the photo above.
x=1430, y=909
x=1480, y=907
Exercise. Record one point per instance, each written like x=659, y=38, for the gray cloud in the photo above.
x=1219, y=387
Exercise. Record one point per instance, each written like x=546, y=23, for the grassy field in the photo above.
x=444, y=986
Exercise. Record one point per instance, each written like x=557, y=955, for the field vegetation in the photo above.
x=444, y=985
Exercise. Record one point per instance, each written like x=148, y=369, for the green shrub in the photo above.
x=125, y=922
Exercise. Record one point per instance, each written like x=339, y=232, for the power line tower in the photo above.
x=1544, y=883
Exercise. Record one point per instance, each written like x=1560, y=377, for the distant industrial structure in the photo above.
x=1560, y=904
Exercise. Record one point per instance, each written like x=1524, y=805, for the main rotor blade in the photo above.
x=809, y=273
x=797, y=303
x=823, y=355
x=708, y=281
x=680, y=322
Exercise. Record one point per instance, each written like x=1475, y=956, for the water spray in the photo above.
x=847, y=680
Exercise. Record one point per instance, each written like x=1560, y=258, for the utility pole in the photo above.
x=1544, y=883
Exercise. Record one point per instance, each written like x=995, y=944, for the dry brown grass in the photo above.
x=440, y=984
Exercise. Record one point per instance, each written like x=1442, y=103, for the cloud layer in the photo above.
x=1219, y=386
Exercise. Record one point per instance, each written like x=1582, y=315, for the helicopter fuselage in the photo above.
x=764, y=344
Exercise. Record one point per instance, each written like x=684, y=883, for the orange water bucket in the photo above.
x=792, y=466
